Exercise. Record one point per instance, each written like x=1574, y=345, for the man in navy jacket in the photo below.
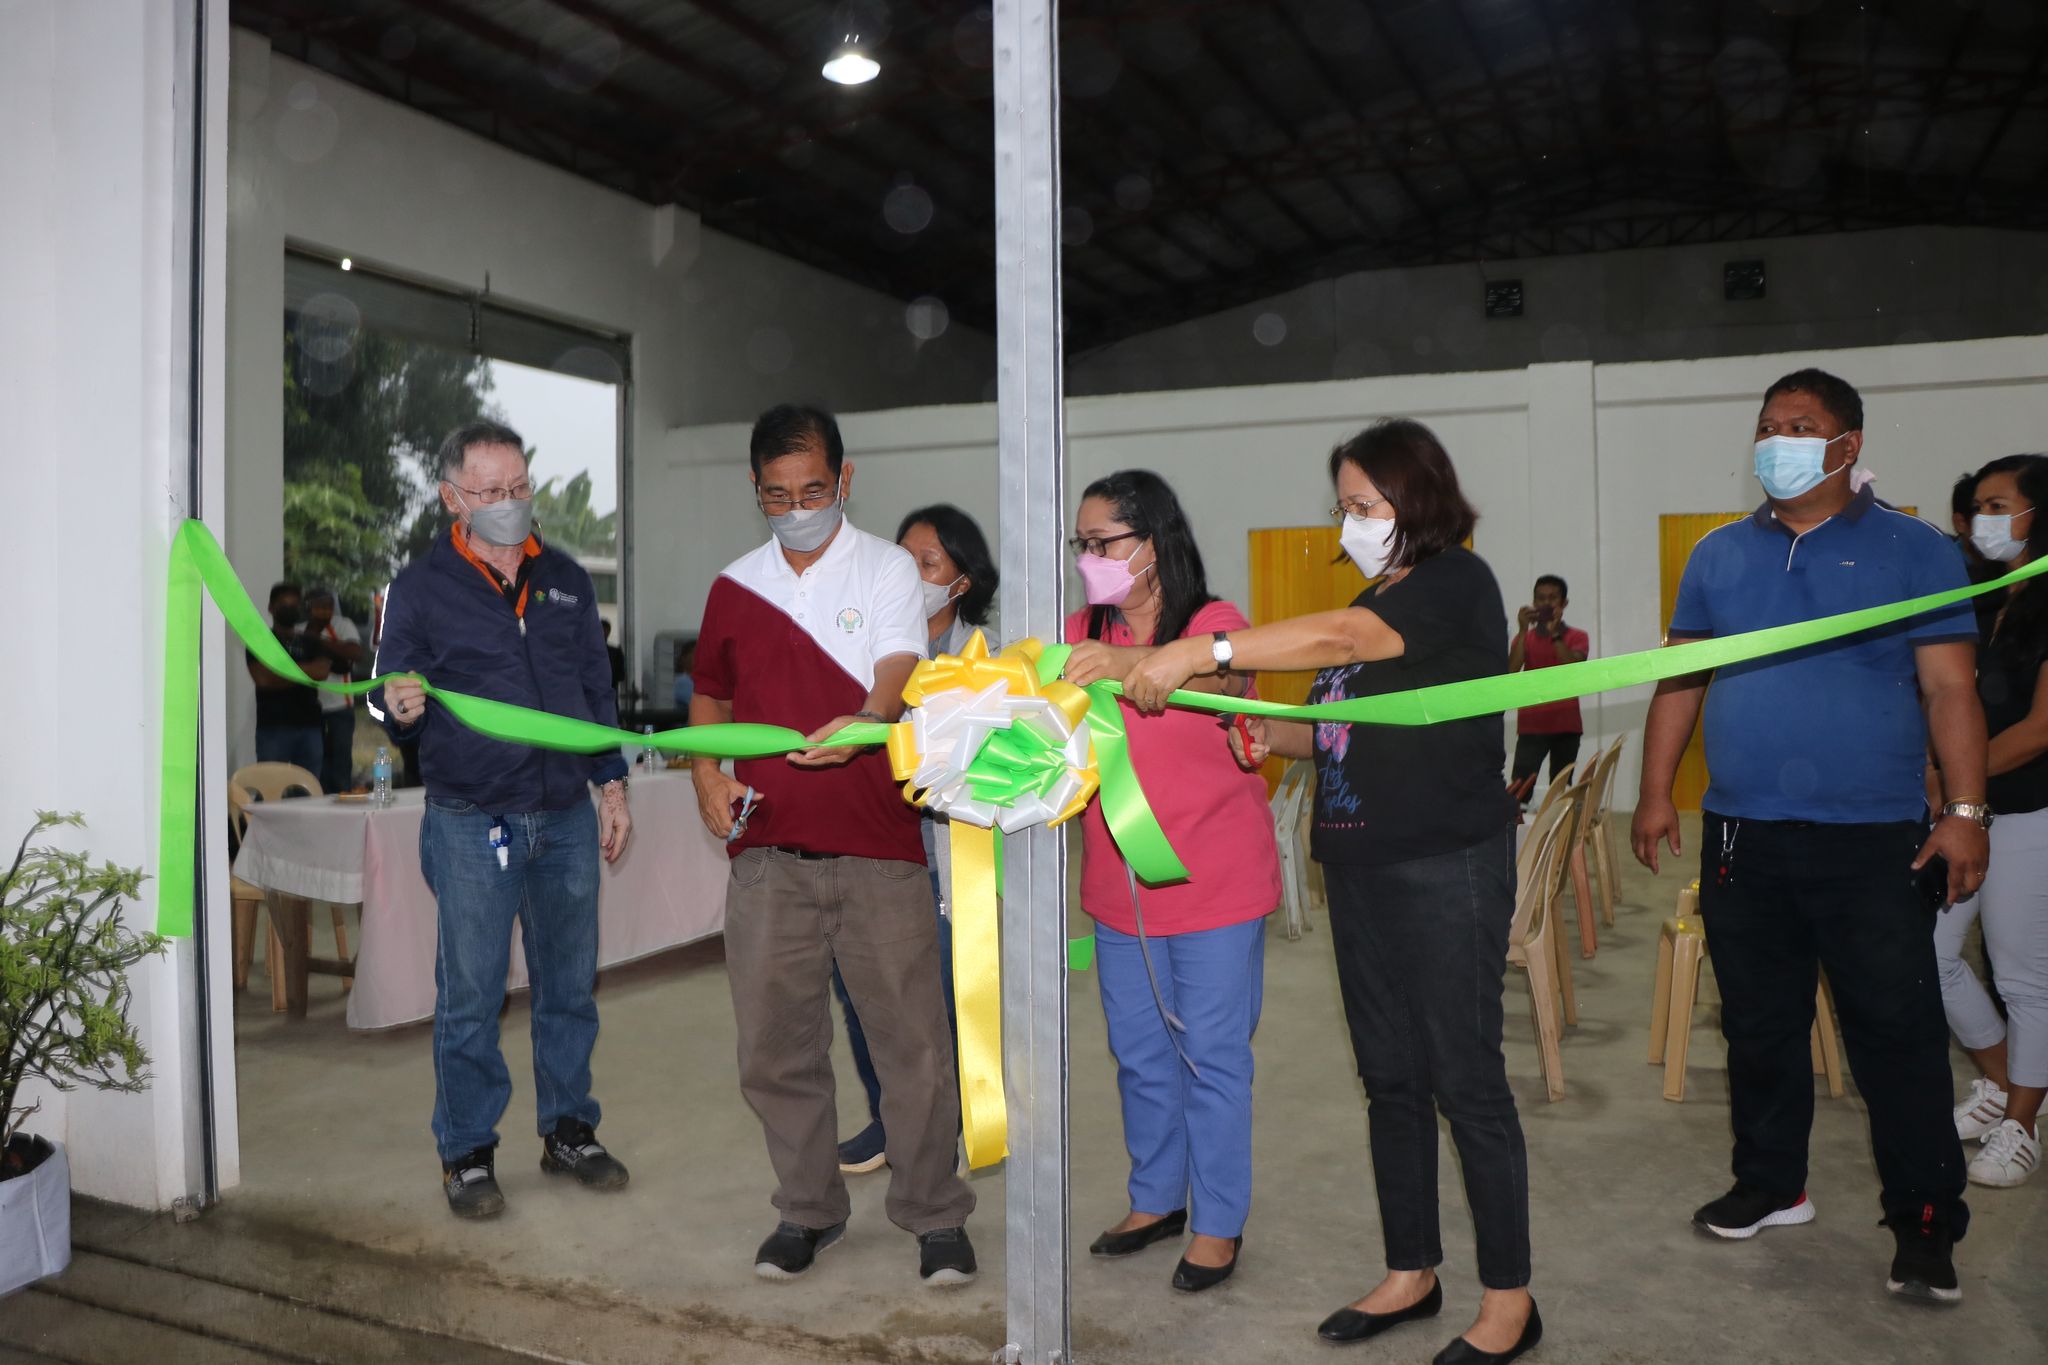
x=510, y=831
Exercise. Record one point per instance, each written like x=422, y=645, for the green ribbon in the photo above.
x=1511, y=691
x=196, y=562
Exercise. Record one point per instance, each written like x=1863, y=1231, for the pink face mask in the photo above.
x=1108, y=581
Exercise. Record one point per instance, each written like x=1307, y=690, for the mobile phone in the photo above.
x=1931, y=881
x=1546, y=614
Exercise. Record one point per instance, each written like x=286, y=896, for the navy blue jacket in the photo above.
x=446, y=621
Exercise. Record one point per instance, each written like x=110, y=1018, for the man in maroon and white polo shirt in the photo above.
x=816, y=630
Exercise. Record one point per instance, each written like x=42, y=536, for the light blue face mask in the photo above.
x=1790, y=465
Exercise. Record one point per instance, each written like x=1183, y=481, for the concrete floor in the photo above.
x=335, y=1143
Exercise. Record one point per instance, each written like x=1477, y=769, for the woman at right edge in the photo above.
x=1413, y=827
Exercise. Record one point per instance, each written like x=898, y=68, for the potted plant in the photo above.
x=64, y=960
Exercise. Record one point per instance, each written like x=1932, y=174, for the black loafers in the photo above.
x=1347, y=1325
x=1190, y=1278
x=1137, y=1239
x=1463, y=1352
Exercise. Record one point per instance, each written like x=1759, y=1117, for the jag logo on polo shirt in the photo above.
x=850, y=619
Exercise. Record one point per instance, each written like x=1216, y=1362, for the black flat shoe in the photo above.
x=1347, y=1325
x=1463, y=1352
x=1190, y=1278
x=1137, y=1239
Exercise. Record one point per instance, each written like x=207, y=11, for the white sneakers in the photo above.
x=2008, y=1156
x=1982, y=1112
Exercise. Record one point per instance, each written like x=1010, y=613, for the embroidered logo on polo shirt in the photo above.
x=566, y=599
x=850, y=620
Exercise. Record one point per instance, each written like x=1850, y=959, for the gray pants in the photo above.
x=2013, y=904
x=787, y=920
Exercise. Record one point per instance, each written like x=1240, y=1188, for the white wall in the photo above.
x=93, y=352
x=1825, y=292
x=1570, y=465
x=721, y=329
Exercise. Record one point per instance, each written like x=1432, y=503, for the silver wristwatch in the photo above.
x=1971, y=810
x=1221, y=651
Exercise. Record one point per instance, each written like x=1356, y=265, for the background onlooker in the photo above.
x=336, y=637
x=287, y=712
x=2012, y=680
x=1551, y=730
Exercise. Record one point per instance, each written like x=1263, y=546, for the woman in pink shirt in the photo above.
x=1181, y=1023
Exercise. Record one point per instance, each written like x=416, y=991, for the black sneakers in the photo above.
x=1746, y=1210
x=573, y=1149
x=1924, y=1268
x=945, y=1257
x=472, y=1185
x=790, y=1249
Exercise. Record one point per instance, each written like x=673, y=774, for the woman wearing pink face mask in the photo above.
x=1184, y=1046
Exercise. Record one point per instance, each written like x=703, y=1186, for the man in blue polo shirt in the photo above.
x=1815, y=819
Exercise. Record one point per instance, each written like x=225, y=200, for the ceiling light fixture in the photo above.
x=850, y=65
x=347, y=264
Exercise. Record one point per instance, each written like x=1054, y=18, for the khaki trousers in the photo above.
x=787, y=920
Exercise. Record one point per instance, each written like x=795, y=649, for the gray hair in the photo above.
x=482, y=432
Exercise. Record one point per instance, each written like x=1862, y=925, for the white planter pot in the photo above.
x=35, y=1222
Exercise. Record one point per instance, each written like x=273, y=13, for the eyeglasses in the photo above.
x=810, y=502
x=1095, y=545
x=520, y=491
x=1356, y=508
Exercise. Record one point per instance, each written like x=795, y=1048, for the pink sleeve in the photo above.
x=1217, y=616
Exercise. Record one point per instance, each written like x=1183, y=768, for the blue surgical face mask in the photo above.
x=1790, y=465
x=1993, y=537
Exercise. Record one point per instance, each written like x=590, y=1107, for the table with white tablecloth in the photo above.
x=666, y=890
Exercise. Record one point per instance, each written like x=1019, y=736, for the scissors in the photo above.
x=739, y=824
x=1244, y=731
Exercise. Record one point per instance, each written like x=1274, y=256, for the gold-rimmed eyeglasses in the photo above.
x=1356, y=508
x=520, y=491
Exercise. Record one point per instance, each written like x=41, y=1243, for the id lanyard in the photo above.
x=501, y=843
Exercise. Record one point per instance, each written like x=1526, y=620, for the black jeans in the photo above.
x=1422, y=948
x=1531, y=750
x=1782, y=900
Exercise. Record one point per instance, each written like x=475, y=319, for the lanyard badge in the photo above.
x=501, y=842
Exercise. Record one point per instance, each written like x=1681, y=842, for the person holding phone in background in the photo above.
x=1551, y=730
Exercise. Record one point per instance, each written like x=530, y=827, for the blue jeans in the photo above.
x=857, y=1038
x=550, y=886
x=1189, y=1136
x=300, y=744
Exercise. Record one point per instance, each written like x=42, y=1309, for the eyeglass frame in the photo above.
x=1079, y=544
x=1340, y=511
x=788, y=505
x=490, y=496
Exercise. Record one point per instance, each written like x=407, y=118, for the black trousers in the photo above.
x=1531, y=750
x=1422, y=949
x=1782, y=900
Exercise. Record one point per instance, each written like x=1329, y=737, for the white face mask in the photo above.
x=803, y=529
x=937, y=595
x=1993, y=537
x=1370, y=543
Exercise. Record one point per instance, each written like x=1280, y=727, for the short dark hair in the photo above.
x=790, y=429
x=961, y=538
x=1562, y=590
x=482, y=432
x=319, y=595
x=1962, y=498
x=278, y=590
x=1838, y=396
x=1411, y=469
x=1146, y=503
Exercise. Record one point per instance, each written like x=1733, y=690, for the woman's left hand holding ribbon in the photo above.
x=1156, y=677
x=1093, y=661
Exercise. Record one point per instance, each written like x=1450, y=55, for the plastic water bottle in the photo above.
x=650, y=757
x=380, y=777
